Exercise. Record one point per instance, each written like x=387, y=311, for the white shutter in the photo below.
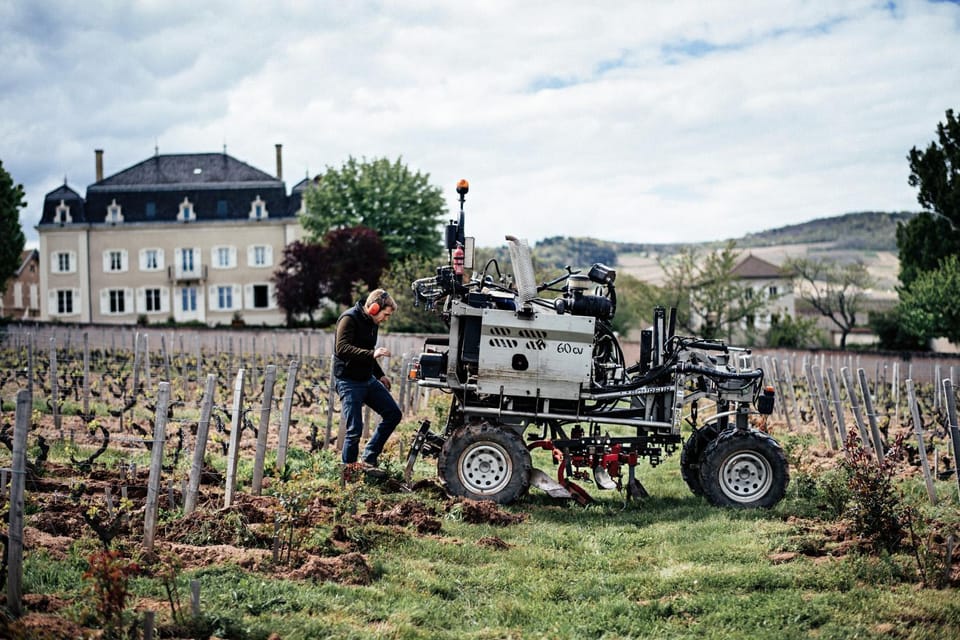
x=128, y=300
x=213, y=256
x=237, y=300
x=143, y=259
x=160, y=262
x=104, y=301
x=251, y=257
x=198, y=257
x=75, y=301
x=233, y=256
x=124, y=260
x=34, y=296
x=106, y=261
x=248, y=296
x=177, y=260
x=214, y=301
x=141, y=299
x=164, y=299
x=271, y=296
x=52, y=302
x=54, y=266
x=268, y=255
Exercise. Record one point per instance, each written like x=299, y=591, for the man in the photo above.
x=360, y=380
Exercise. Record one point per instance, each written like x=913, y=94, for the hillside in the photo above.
x=869, y=236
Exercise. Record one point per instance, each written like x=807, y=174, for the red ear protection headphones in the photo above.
x=378, y=305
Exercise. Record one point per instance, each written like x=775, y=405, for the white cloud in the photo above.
x=627, y=121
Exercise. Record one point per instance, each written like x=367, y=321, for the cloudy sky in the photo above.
x=645, y=121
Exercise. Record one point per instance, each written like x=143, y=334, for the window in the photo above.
x=222, y=209
x=772, y=291
x=258, y=209
x=186, y=213
x=62, y=213
x=151, y=210
x=224, y=297
x=63, y=262
x=223, y=257
x=188, y=299
x=186, y=262
x=114, y=260
x=151, y=300
x=261, y=298
x=18, y=295
x=114, y=213
x=151, y=259
x=64, y=301
x=748, y=293
x=118, y=302
x=260, y=255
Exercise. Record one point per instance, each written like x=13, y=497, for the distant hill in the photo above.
x=864, y=231
x=869, y=231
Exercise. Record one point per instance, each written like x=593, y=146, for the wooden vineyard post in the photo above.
x=922, y=452
x=855, y=405
x=86, y=375
x=788, y=380
x=54, y=388
x=284, y=434
x=871, y=414
x=332, y=398
x=17, y=482
x=203, y=429
x=837, y=405
x=950, y=400
x=268, y=381
x=780, y=392
x=821, y=397
x=233, y=452
x=156, y=467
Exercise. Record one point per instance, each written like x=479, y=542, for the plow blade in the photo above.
x=602, y=478
x=545, y=483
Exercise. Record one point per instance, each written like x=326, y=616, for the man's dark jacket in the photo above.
x=356, y=340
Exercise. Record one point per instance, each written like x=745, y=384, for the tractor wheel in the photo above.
x=744, y=468
x=485, y=462
x=692, y=455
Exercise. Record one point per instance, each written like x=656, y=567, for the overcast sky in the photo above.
x=633, y=121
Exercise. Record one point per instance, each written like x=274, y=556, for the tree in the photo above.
x=300, y=279
x=400, y=206
x=707, y=293
x=930, y=306
x=397, y=281
x=11, y=233
x=353, y=256
x=931, y=236
x=835, y=290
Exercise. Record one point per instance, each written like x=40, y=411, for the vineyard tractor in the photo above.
x=525, y=372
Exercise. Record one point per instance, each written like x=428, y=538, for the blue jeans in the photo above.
x=354, y=394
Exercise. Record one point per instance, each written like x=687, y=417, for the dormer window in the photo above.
x=62, y=214
x=186, y=213
x=114, y=213
x=258, y=209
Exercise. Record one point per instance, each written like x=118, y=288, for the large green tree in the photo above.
x=930, y=307
x=399, y=205
x=835, y=290
x=935, y=234
x=11, y=233
x=709, y=297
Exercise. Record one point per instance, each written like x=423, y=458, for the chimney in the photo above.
x=279, y=162
x=99, y=153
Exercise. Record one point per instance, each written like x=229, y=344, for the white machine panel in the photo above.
x=550, y=356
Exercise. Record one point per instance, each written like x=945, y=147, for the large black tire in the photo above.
x=692, y=453
x=744, y=468
x=485, y=462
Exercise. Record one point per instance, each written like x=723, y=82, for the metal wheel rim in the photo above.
x=485, y=468
x=745, y=476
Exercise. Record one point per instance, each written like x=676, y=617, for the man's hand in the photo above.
x=385, y=381
x=381, y=352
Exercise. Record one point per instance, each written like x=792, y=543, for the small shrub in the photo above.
x=109, y=575
x=833, y=491
x=877, y=511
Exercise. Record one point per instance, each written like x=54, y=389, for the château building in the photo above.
x=182, y=237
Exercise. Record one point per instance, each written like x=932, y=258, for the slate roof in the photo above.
x=220, y=188
x=70, y=198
